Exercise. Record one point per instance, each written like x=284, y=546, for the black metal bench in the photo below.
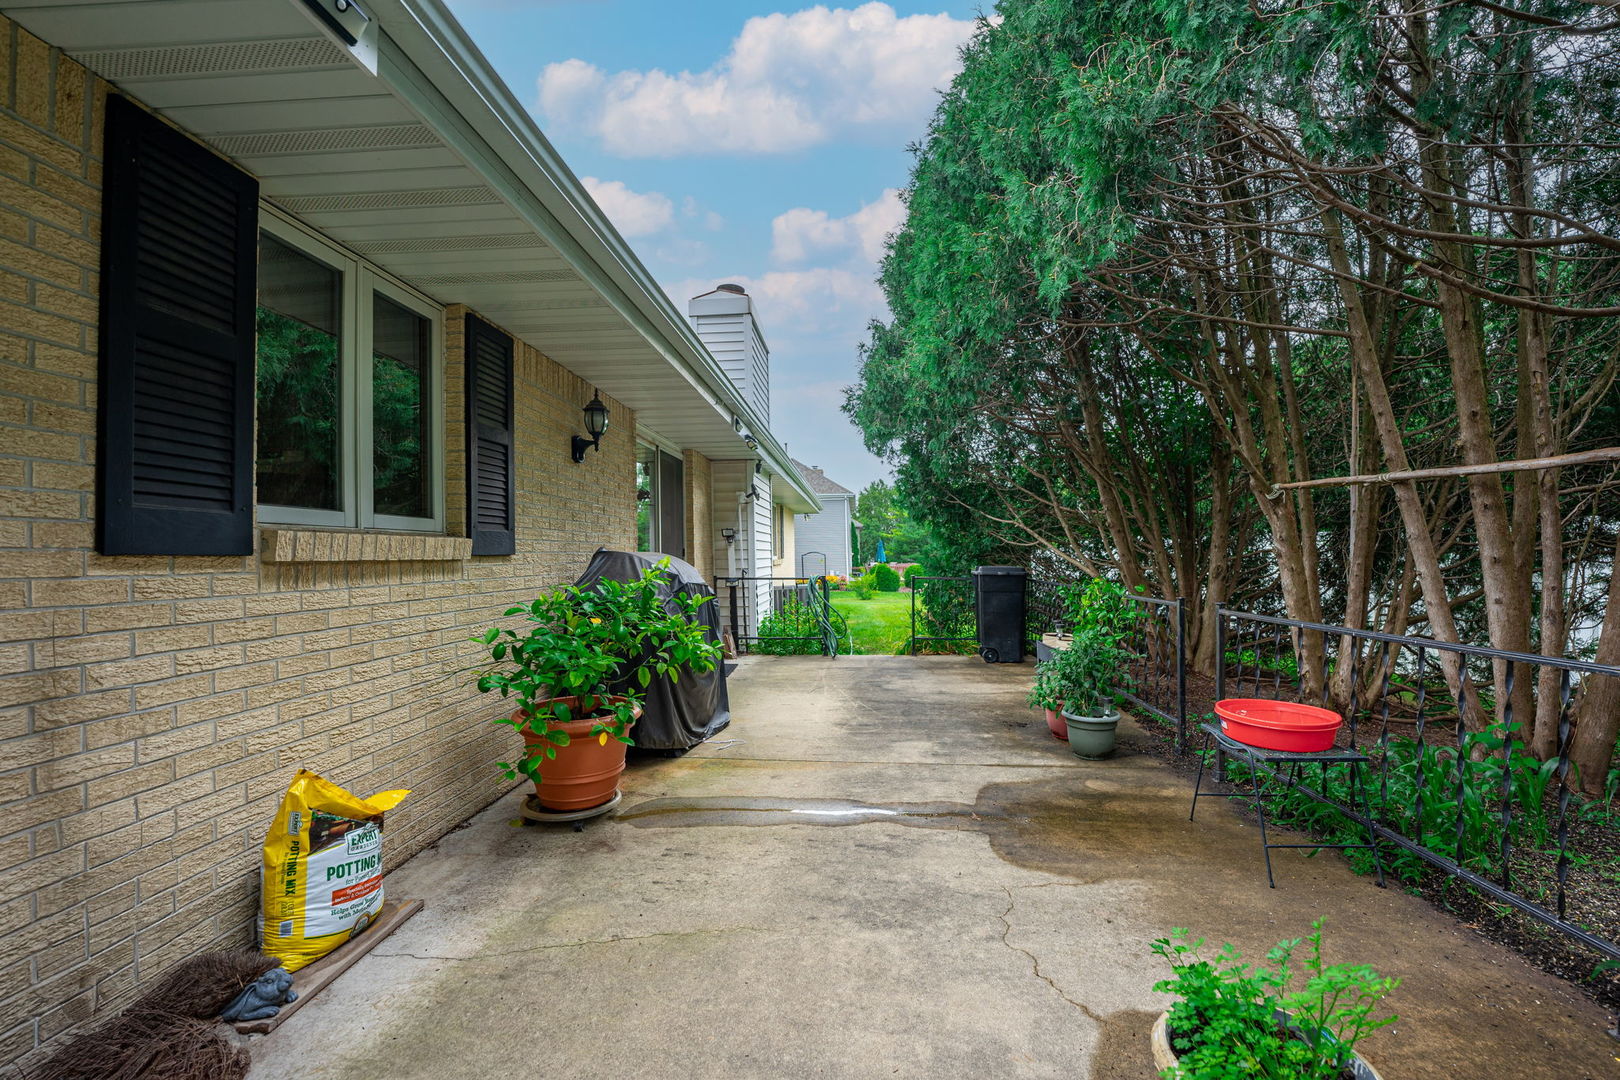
x=1264, y=764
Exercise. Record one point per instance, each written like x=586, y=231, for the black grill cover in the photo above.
x=679, y=715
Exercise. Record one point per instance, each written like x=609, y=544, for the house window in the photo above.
x=350, y=420
x=660, y=502
x=646, y=498
x=779, y=529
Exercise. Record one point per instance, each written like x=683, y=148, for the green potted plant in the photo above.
x=579, y=671
x=1235, y=1019
x=1044, y=696
x=1085, y=680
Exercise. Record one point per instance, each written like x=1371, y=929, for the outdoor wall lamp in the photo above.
x=750, y=442
x=729, y=534
x=596, y=422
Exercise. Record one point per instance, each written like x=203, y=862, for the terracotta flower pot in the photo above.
x=585, y=773
x=1164, y=1055
x=1060, y=730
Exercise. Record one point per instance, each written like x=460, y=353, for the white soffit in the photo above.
x=371, y=163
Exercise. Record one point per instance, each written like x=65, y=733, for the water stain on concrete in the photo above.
x=687, y=813
x=1055, y=825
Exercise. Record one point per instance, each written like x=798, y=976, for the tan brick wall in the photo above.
x=152, y=709
x=699, y=482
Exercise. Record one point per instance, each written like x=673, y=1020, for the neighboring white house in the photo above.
x=822, y=540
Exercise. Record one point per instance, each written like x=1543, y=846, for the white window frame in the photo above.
x=653, y=483
x=360, y=281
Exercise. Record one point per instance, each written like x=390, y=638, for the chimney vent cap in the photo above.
x=732, y=287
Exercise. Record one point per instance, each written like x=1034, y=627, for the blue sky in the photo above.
x=745, y=142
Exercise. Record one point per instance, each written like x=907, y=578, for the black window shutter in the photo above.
x=178, y=269
x=491, y=491
x=671, y=506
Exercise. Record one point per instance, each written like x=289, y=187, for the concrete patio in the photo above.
x=885, y=868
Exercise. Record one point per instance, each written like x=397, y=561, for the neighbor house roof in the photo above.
x=819, y=482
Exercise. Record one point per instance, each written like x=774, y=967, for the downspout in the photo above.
x=736, y=539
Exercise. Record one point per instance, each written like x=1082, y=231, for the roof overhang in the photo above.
x=429, y=168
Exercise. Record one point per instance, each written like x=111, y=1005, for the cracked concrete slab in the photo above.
x=1000, y=927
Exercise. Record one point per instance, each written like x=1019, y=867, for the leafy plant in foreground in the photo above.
x=1228, y=1020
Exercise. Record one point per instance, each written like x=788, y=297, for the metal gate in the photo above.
x=781, y=615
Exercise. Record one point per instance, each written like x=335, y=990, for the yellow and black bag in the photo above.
x=322, y=878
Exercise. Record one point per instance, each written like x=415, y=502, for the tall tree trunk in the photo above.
x=1507, y=592
x=1420, y=540
x=1220, y=560
x=1597, y=714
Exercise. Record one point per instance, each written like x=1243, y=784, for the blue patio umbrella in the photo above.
x=881, y=557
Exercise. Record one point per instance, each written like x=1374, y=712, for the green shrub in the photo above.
x=864, y=586
x=795, y=626
x=945, y=610
x=886, y=577
x=915, y=570
x=1420, y=794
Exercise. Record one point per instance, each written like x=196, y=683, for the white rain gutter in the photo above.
x=426, y=57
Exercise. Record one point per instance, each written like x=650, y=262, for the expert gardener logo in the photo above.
x=362, y=840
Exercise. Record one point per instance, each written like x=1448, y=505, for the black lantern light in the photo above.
x=596, y=422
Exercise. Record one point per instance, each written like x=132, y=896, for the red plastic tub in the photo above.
x=1278, y=725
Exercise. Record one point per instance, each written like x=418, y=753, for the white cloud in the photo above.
x=691, y=208
x=790, y=81
x=633, y=213
x=802, y=234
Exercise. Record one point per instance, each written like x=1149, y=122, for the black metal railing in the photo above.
x=942, y=612
x=781, y=614
x=1158, y=674
x=1453, y=784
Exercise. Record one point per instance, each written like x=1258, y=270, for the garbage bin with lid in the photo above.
x=998, y=595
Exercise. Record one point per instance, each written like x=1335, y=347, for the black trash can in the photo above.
x=998, y=599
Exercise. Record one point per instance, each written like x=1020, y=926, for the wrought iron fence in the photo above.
x=781, y=615
x=1453, y=785
x=1158, y=674
x=942, y=612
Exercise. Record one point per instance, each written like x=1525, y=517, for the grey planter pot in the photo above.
x=1092, y=736
x=1164, y=1057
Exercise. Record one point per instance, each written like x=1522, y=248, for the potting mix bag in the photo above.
x=322, y=877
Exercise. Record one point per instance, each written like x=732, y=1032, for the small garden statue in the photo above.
x=263, y=997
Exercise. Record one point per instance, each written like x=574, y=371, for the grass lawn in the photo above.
x=879, y=625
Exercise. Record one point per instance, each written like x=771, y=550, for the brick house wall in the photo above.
x=699, y=483
x=152, y=708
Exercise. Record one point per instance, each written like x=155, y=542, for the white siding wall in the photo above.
x=758, y=389
x=763, y=548
x=726, y=324
x=827, y=532
x=753, y=548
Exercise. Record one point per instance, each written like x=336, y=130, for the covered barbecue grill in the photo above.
x=679, y=715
